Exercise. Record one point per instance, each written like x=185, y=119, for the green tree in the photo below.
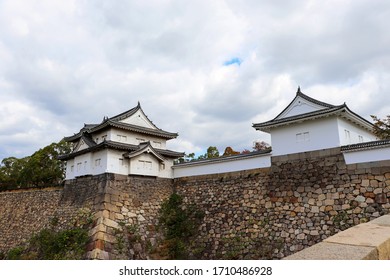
x=10, y=172
x=212, y=152
x=44, y=168
x=187, y=157
x=41, y=169
x=381, y=127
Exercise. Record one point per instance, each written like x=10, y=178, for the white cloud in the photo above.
x=69, y=62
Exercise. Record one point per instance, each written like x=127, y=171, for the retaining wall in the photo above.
x=25, y=212
x=274, y=212
x=126, y=217
x=267, y=213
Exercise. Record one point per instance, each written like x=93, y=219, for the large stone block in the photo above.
x=110, y=223
x=98, y=228
x=332, y=251
x=98, y=254
x=374, y=235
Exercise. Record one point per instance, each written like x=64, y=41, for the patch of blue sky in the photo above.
x=234, y=60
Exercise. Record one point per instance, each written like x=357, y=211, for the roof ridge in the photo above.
x=131, y=112
x=88, y=139
x=300, y=116
x=310, y=113
x=127, y=113
x=153, y=131
x=299, y=93
x=141, y=148
x=313, y=100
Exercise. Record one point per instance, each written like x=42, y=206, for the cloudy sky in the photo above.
x=205, y=69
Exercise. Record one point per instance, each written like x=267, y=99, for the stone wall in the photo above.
x=25, y=212
x=267, y=213
x=233, y=207
x=272, y=213
x=124, y=211
x=126, y=217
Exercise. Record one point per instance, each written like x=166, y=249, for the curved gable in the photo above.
x=84, y=143
x=302, y=104
x=139, y=119
x=145, y=148
x=135, y=116
x=298, y=107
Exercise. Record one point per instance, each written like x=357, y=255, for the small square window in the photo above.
x=306, y=136
x=302, y=137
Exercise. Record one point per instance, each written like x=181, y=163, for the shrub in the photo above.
x=180, y=224
x=52, y=245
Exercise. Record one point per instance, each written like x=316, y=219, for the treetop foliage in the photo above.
x=41, y=169
x=381, y=127
x=212, y=152
x=261, y=146
x=230, y=152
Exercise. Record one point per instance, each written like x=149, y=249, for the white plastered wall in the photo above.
x=139, y=119
x=135, y=138
x=116, y=163
x=223, y=166
x=371, y=155
x=306, y=136
x=351, y=134
x=145, y=164
x=87, y=164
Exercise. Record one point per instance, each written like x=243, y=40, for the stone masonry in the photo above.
x=267, y=213
x=124, y=211
x=272, y=213
x=25, y=212
x=126, y=217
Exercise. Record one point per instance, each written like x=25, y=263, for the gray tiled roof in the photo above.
x=366, y=145
x=225, y=158
x=116, y=122
x=88, y=140
x=310, y=115
x=308, y=98
x=142, y=148
x=131, y=112
x=119, y=146
x=327, y=111
x=135, y=128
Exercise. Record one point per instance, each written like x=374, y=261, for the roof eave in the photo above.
x=307, y=98
x=135, y=128
x=267, y=126
x=147, y=147
x=357, y=119
x=73, y=137
x=261, y=153
x=119, y=146
x=377, y=144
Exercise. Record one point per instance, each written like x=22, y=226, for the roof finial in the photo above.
x=299, y=90
x=139, y=105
